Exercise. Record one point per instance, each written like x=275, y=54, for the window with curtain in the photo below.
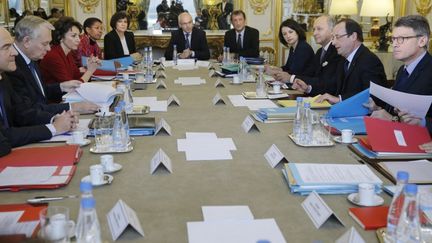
x=152, y=14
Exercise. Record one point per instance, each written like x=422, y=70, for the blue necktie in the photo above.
x=402, y=81
x=3, y=115
x=346, y=65
x=32, y=67
x=187, y=41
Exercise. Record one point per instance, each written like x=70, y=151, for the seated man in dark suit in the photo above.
x=325, y=61
x=359, y=66
x=32, y=38
x=242, y=40
x=191, y=42
x=19, y=124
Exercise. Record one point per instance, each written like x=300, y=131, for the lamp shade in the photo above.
x=377, y=8
x=343, y=7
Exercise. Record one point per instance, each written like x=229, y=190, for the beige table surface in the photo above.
x=165, y=202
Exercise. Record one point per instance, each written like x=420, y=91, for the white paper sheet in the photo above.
x=239, y=100
x=152, y=102
x=215, y=213
x=26, y=175
x=417, y=105
x=418, y=170
x=336, y=173
x=206, y=146
x=97, y=93
x=237, y=231
x=9, y=224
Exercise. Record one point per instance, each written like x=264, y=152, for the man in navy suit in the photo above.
x=325, y=61
x=410, y=40
x=358, y=67
x=32, y=38
x=242, y=40
x=191, y=42
x=19, y=124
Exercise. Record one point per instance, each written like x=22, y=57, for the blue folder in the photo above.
x=107, y=65
x=355, y=123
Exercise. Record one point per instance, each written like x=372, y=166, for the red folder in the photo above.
x=31, y=212
x=370, y=217
x=60, y=156
x=388, y=136
x=100, y=72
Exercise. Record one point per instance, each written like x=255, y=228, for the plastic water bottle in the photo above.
x=145, y=57
x=175, y=54
x=260, y=85
x=125, y=123
x=242, y=71
x=225, y=58
x=127, y=96
x=408, y=229
x=150, y=56
x=228, y=55
x=88, y=228
x=396, y=205
x=307, y=124
x=297, y=132
x=118, y=132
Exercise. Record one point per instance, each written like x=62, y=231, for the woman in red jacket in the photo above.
x=58, y=64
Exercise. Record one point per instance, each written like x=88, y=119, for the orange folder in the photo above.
x=395, y=137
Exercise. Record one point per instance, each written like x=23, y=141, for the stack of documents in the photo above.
x=189, y=81
x=233, y=224
x=275, y=115
x=303, y=178
x=311, y=100
x=349, y=114
x=18, y=219
x=100, y=94
x=420, y=171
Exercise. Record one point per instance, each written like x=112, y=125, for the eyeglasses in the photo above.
x=337, y=37
x=401, y=39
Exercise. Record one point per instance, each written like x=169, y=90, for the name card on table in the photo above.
x=161, y=67
x=163, y=126
x=173, y=100
x=318, y=211
x=219, y=84
x=274, y=156
x=161, y=74
x=120, y=217
x=249, y=125
x=351, y=236
x=212, y=73
x=160, y=158
x=161, y=84
x=217, y=99
x=205, y=64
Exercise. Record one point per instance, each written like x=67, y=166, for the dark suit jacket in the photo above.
x=364, y=68
x=5, y=146
x=324, y=79
x=198, y=44
x=300, y=61
x=113, y=47
x=250, y=45
x=24, y=124
x=25, y=85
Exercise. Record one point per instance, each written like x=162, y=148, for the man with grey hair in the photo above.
x=32, y=41
x=325, y=61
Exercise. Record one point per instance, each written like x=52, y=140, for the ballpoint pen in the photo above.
x=43, y=199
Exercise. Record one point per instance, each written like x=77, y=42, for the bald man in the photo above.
x=191, y=42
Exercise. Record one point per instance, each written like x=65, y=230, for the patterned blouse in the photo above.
x=87, y=48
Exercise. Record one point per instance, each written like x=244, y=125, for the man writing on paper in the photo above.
x=32, y=38
x=243, y=40
x=191, y=42
x=358, y=67
x=325, y=61
x=20, y=124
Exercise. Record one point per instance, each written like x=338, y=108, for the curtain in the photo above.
x=197, y=4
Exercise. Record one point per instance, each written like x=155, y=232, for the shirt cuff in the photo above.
x=52, y=129
x=309, y=89
x=340, y=98
x=192, y=54
x=292, y=78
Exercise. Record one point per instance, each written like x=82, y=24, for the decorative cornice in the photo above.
x=88, y=5
x=259, y=6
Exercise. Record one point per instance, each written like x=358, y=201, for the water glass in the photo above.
x=103, y=133
x=425, y=211
x=55, y=224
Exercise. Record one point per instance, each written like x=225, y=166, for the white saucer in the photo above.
x=107, y=180
x=353, y=197
x=273, y=92
x=339, y=140
x=84, y=143
x=116, y=168
x=104, y=114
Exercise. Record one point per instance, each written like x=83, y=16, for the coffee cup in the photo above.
x=104, y=109
x=276, y=88
x=366, y=192
x=78, y=137
x=55, y=224
x=347, y=135
x=236, y=79
x=96, y=174
x=107, y=162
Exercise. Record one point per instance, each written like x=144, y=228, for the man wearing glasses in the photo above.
x=359, y=65
x=410, y=40
x=191, y=42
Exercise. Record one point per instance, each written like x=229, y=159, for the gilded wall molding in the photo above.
x=259, y=6
x=423, y=7
x=88, y=5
